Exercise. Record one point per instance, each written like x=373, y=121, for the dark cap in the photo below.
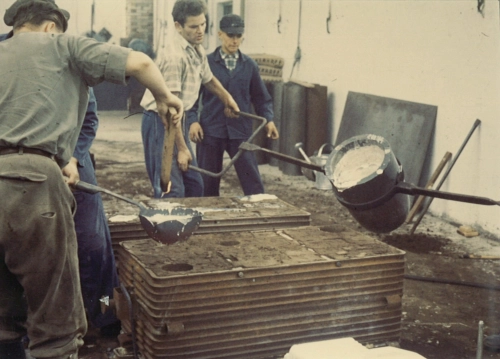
x=11, y=12
x=232, y=24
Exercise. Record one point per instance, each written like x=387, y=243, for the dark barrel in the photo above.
x=364, y=172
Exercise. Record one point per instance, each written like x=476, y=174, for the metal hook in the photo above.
x=480, y=6
x=278, y=23
x=329, y=18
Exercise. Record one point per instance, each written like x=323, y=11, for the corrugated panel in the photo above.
x=221, y=214
x=255, y=294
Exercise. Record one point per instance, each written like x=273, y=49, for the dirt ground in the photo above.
x=445, y=295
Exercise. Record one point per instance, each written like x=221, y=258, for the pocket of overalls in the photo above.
x=24, y=176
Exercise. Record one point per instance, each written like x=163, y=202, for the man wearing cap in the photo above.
x=184, y=66
x=43, y=99
x=98, y=275
x=214, y=133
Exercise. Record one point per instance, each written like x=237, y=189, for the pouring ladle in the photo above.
x=398, y=187
x=166, y=226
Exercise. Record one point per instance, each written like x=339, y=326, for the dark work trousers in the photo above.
x=210, y=155
x=184, y=184
x=98, y=274
x=40, y=292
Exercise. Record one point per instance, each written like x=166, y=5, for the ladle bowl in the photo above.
x=167, y=226
x=172, y=225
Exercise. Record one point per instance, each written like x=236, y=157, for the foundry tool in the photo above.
x=377, y=199
x=424, y=211
x=430, y=183
x=166, y=226
x=168, y=151
x=248, y=146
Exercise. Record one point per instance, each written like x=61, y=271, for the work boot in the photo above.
x=13, y=350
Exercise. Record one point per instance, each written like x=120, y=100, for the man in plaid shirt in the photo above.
x=185, y=68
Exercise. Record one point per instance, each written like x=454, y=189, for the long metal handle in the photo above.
x=424, y=211
x=93, y=189
x=252, y=147
x=168, y=151
x=240, y=151
x=406, y=188
x=412, y=190
x=248, y=146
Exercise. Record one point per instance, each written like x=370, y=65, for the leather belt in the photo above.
x=22, y=150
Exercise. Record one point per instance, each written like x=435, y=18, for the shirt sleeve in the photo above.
x=97, y=61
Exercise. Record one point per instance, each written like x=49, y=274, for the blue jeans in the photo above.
x=210, y=154
x=98, y=274
x=184, y=184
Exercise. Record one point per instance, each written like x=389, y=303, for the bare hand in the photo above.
x=184, y=159
x=174, y=102
x=70, y=172
x=231, y=108
x=272, y=131
x=196, y=132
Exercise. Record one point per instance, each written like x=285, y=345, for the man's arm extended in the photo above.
x=218, y=90
x=141, y=67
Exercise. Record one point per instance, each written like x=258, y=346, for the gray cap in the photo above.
x=232, y=24
x=11, y=12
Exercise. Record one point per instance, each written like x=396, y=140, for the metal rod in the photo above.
x=131, y=318
x=430, y=183
x=479, y=353
x=407, y=188
x=240, y=151
x=91, y=188
x=422, y=214
x=251, y=147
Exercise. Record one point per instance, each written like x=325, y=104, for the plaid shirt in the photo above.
x=230, y=59
x=184, y=68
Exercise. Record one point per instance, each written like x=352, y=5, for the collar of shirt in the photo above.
x=190, y=48
x=230, y=59
x=236, y=55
